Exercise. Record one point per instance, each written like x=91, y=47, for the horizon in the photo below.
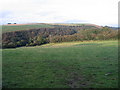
x=102, y=13
x=12, y=24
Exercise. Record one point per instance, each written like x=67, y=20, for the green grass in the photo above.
x=6, y=28
x=62, y=65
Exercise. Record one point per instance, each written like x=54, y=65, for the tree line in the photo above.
x=56, y=34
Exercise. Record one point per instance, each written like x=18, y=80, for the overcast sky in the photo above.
x=100, y=12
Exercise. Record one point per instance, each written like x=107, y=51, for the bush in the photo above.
x=9, y=45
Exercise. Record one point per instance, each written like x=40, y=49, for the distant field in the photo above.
x=62, y=65
x=8, y=28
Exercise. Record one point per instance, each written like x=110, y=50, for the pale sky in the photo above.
x=100, y=12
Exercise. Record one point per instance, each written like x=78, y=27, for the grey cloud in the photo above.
x=45, y=13
x=76, y=21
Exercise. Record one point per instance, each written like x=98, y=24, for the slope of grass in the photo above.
x=62, y=65
x=8, y=28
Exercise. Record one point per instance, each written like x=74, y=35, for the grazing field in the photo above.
x=8, y=28
x=92, y=64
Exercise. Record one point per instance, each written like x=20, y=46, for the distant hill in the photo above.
x=18, y=27
x=113, y=28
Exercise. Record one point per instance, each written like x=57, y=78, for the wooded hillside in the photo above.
x=57, y=33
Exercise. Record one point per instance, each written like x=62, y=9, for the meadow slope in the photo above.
x=9, y=28
x=92, y=64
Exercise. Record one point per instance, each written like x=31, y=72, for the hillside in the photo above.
x=18, y=27
x=38, y=34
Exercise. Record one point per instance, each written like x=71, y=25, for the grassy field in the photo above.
x=92, y=64
x=8, y=28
